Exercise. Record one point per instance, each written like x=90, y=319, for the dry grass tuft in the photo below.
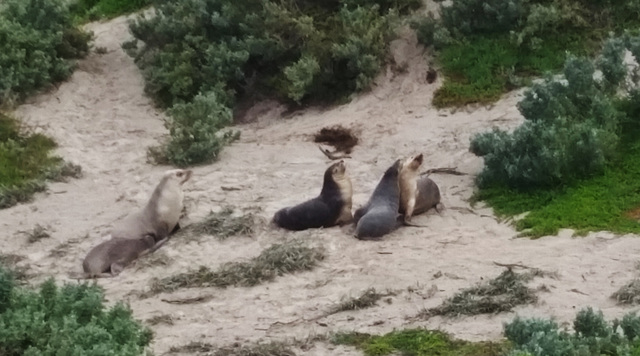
x=497, y=295
x=39, y=232
x=270, y=349
x=160, y=319
x=222, y=225
x=279, y=259
x=629, y=293
x=158, y=258
x=367, y=299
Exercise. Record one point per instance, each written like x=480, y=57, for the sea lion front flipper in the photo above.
x=156, y=246
x=116, y=268
x=408, y=223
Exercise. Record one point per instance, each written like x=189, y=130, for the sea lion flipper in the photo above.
x=116, y=268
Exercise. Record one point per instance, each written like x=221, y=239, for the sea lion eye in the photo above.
x=179, y=174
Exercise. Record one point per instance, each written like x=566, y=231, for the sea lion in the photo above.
x=159, y=218
x=417, y=194
x=109, y=258
x=379, y=216
x=332, y=207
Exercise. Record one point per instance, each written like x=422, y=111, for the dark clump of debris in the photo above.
x=337, y=136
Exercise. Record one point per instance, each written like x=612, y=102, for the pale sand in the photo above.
x=104, y=122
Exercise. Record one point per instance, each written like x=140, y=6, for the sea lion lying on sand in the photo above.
x=109, y=258
x=379, y=216
x=330, y=208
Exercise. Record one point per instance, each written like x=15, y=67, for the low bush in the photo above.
x=91, y=10
x=66, y=320
x=592, y=336
x=37, y=45
x=515, y=39
x=296, y=51
x=27, y=163
x=570, y=163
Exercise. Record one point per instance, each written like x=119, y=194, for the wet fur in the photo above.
x=160, y=215
x=378, y=217
x=330, y=208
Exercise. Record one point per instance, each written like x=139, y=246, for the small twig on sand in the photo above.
x=198, y=299
x=332, y=155
x=384, y=253
x=446, y=170
x=511, y=265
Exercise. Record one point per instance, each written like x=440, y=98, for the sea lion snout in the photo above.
x=185, y=175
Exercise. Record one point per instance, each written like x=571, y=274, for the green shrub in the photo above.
x=195, y=130
x=593, y=336
x=92, y=10
x=37, y=42
x=297, y=51
x=67, y=320
x=570, y=132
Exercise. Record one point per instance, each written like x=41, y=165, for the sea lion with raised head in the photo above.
x=417, y=194
x=109, y=258
x=159, y=218
x=332, y=207
x=379, y=216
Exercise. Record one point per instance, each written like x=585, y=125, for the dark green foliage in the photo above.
x=500, y=294
x=195, y=130
x=572, y=163
x=593, y=336
x=26, y=162
x=67, y=320
x=297, y=51
x=515, y=39
x=418, y=342
x=91, y=10
x=570, y=133
x=37, y=42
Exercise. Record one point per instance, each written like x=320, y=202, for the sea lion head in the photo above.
x=178, y=175
x=412, y=162
x=338, y=169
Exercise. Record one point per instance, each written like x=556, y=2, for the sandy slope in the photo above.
x=103, y=121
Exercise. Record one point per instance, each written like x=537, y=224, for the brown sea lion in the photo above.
x=417, y=194
x=332, y=207
x=160, y=215
x=109, y=258
x=379, y=216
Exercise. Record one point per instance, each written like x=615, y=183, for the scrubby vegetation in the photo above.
x=38, y=43
x=418, y=342
x=27, y=163
x=199, y=57
x=289, y=257
x=264, y=349
x=38, y=46
x=572, y=162
x=486, y=48
x=91, y=10
x=592, y=336
x=67, y=320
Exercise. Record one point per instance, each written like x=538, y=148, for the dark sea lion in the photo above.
x=332, y=207
x=379, y=216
